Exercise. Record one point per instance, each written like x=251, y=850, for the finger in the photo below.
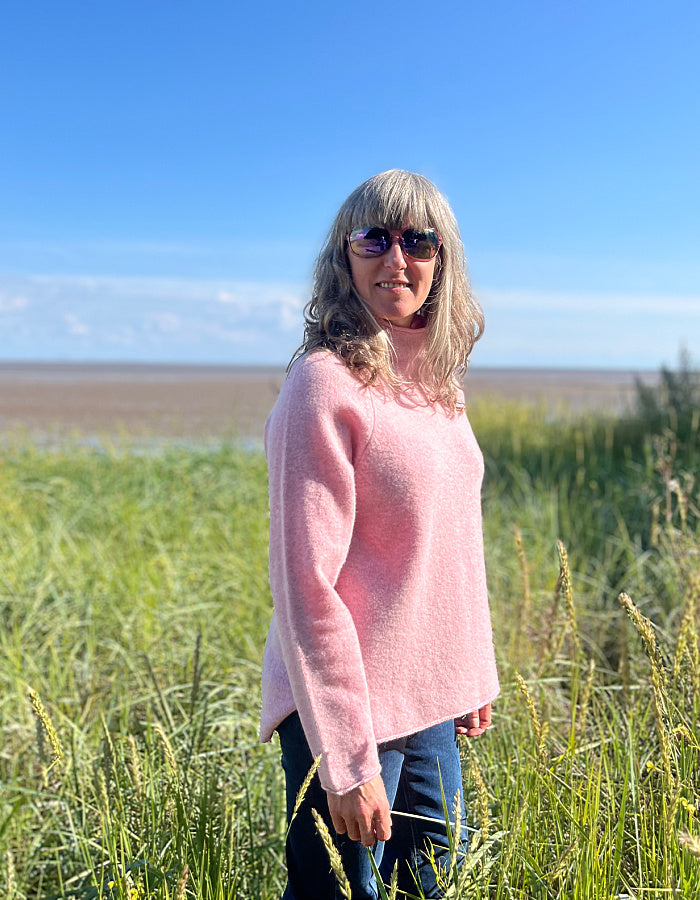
x=367, y=836
x=354, y=832
x=485, y=717
x=471, y=724
x=338, y=823
x=382, y=826
x=461, y=725
x=476, y=727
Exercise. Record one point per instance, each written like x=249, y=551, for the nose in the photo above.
x=394, y=258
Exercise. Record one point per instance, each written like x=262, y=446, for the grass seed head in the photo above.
x=10, y=875
x=45, y=720
x=691, y=842
x=182, y=884
x=333, y=856
x=394, y=882
x=103, y=795
x=168, y=751
x=305, y=786
x=482, y=797
x=539, y=731
x=567, y=590
x=134, y=764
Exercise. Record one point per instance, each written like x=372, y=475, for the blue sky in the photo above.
x=168, y=171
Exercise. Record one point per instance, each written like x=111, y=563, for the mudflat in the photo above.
x=209, y=402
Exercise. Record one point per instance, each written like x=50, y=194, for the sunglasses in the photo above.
x=371, y=241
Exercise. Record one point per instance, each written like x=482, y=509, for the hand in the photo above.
x=363, y=812
x=474, y=723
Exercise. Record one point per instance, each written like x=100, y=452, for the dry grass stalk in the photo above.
x=103, y=796
x=181, y=888
x=168, y=751
x=10, y=875
x=658, y=682
x=539, y=730
x=482, y=797
x=134, y=764
x=48, y=727
x=554, y=637
x=683, y=494
x=670, y=787
x=108, y=740
x=304, y=788
x=624, y=663
x=567, y=590
x=687, y=643
x=691, y=842
x=333, y=856
x=646, y=631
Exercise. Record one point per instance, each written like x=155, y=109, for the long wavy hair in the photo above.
x=337, y=319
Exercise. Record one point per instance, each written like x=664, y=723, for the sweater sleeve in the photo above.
x=319, y=428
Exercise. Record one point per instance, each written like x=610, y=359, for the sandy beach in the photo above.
x=208, y=402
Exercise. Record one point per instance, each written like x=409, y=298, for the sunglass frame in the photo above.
x=394, y=236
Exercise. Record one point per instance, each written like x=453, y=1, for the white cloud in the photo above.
x=242, y=294
x=155, y=319
x=10, y=303
x=165, y=323
x=75, y=325
x=247, y=322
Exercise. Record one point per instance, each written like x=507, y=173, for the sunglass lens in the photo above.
x=375, y=240
x=369, y=241
x=421, y=244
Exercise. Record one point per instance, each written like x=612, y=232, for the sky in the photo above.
x=169, y=171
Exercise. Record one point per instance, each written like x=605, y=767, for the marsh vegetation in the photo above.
x=135, y=603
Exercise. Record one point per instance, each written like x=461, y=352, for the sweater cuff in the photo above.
x=341, y=774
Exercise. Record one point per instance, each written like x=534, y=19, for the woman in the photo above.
x=380, y=646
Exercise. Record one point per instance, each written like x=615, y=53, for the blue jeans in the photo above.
x=413, y=769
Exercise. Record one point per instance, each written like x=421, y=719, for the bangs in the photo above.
x=393, y=199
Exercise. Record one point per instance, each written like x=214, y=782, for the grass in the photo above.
x=135, y=605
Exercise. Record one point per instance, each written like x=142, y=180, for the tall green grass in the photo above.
x=134, y=600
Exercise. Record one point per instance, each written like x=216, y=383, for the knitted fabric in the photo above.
x=381, y=622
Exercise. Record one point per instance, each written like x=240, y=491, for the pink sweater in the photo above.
x=381, y=622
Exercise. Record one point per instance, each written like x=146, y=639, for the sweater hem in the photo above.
x=438, y=721
x=266, y=735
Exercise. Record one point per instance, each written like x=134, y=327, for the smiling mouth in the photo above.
x=393, y=284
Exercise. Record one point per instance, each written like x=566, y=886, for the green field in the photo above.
x=135, y=605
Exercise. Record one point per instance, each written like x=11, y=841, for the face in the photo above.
x=393, y=286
